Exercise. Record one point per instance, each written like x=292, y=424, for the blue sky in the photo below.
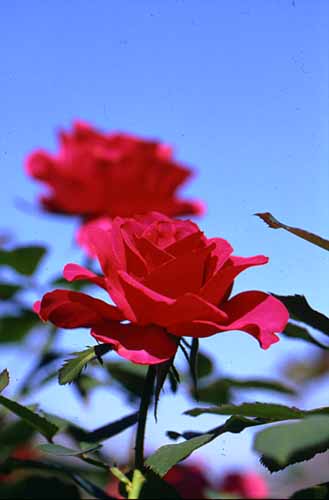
x=239, y=87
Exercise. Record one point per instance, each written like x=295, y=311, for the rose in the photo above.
x=189, y=480
x=96, y=174
x=167, y=280
x=244, y=484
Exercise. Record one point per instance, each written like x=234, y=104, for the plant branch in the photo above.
x=143, y=409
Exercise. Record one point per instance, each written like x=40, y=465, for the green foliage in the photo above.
x=220, y=391
x=300, y=310
x=268, y=411
x=59, y=450
x=4, y=379
x=8, y=290
x=282, y=442
x=14, y=328
x=24, y=260
x=73, y=367
x=130, y=377
x=318, y=492
x=35, y=487
x=298, y=332
x=39, y=423
x=169, y=455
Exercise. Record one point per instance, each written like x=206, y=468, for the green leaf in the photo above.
x=40, y=487
x=301, y=233
x=59, y=450
x=156, y=487
x=298, y=332
x=73, y=367
x=4, y=379
x=169, y=455
x=283, y=441
x=91, y=488
x=300, y=310
x=23, y=260
x=8, y=290
x=220, y=391
x=204, y=365
x=320, y=492
x=130, y=377
x=109, y=430
x=39, y=423
x=259, y=410
x=16, y=433
x=14, y=328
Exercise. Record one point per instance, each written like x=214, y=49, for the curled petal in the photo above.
x=68, y=309
x=74, y=272
x=215, y=288
x=256, y=313
x=145, y=345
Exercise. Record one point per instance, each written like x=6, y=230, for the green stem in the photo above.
x=143, y=409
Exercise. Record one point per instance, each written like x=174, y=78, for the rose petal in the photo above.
x=68, y=309
x=146, y=345
x=217, y=286
x=74, y=272
x=256, y=313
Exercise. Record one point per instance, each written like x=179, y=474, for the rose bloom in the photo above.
x=96, y=174
x=244, y=485
x=167, y=280
x=189, y=481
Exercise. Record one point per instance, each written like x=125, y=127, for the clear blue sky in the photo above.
x=239, y=87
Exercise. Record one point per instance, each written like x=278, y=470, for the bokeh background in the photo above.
x=240, y=88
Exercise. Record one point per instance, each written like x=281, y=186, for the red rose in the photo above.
x=245, y=484
x=96, y=174
x=188, y=480
x=167, y=280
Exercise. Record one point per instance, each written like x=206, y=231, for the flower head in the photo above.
x=167, y=280
x=98, y=174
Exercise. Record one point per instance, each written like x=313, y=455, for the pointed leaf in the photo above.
x=4, y=379
x=59, y=450
x=23, y=260
x=298, y=332
x=300, y=310
x=281, y=442
x=73, y=367
x=39, y=423
x=301, y=233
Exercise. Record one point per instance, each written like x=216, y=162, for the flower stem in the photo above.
x=143, y=409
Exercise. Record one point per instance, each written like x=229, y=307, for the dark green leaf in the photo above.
x=34, y=487
x=16, y=433
x=319, y=492
x=301, y=233
x=281, y=442
x=4, y=379
x=300, y=310
x=219, y=391
x=14, y=328
x=112, y=429
x=259, y=410
x=74, y=285
x=298, y=332
x=59, y=450
x=130, y=377
x=39, y=423
x=8, y=290
x=169, y=455
x=204, y=365
x=24, y=260
x=73, y=367
x=156, y=487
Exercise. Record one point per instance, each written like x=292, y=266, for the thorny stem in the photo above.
x=143, y=409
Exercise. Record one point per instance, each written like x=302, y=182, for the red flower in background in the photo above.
x=189, y=480
x=109, y=174
x=245, y=485
x=167, y=280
